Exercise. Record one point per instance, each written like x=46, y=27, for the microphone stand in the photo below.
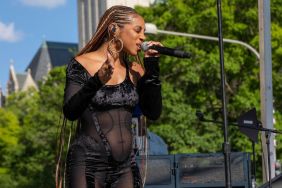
x=260, y=128
x=253, y=166
x=226, y=145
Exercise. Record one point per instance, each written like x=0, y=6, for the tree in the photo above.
x=39, y=112
x=9, y=146
x=194, y=84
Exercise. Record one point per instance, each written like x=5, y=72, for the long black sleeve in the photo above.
x=149, y=89
x=80, y=88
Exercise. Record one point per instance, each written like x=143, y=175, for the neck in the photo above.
x=103, y=50
x=111, y=48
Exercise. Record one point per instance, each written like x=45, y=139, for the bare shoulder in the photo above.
x=86, y=60
x=89, y=62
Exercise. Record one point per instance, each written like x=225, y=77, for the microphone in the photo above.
x=166, y=51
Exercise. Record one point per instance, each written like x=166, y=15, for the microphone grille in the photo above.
x=144, y=46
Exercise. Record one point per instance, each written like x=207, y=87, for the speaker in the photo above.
x=157, y=170
x=207, y=170
x=276, y=182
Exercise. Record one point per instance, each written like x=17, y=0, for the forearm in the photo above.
x=149, y=89
x=77, y=100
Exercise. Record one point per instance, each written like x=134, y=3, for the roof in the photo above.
x=50, y=55
x=21, y=77
x=60, y=53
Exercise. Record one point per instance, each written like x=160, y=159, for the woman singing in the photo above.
x=102, y=88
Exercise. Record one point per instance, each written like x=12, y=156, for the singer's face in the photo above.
x=132, y=35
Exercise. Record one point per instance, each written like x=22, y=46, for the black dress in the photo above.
x=101, y=153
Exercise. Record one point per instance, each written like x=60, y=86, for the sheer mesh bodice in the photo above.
x=111, y=109
x=115, y=125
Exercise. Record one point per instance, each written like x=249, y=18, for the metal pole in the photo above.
x=266, y=83
x=152, y=29
x=254, y=51
x=226, y=145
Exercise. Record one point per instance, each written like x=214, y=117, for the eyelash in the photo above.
x=138, y=30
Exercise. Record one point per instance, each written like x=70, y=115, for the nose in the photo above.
x=142, y=37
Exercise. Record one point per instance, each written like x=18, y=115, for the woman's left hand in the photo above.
x=152, y=52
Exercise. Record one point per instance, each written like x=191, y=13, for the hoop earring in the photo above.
x=113, y=51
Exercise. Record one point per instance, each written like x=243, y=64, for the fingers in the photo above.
x=106, y=70
x=152, y=52
x=110, y=60
x=151, y=43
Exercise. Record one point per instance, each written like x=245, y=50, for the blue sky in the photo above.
x=25, y=24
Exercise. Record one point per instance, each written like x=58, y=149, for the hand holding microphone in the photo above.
x=148, y=49
x=146, y=46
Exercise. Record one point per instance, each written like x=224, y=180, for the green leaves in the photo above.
x=31, y=133
x=194, y=84
x=9, y=144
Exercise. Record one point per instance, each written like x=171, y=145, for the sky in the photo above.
x=25, y=24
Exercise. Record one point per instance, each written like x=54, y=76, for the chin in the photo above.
x=133, y=53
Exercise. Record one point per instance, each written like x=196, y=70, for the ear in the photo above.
x=112, y=28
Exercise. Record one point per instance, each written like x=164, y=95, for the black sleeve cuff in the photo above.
x=151, y=65
x=95, y=82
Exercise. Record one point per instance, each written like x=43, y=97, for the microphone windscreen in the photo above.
x=144, y=46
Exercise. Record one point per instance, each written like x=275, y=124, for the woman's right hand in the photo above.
x=152, y=52
x=107, y=69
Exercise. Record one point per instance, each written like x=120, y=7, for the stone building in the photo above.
x=19, y=81
x=49, y=55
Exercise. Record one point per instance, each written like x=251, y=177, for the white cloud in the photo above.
x=8, y=33
x=44, y=3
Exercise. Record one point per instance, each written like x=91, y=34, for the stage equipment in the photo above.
x=207, y=170
x=194, y=170
x=158, y=171
x=276, y=182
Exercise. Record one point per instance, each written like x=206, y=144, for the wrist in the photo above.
x=95, y=81
x=151, y=65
